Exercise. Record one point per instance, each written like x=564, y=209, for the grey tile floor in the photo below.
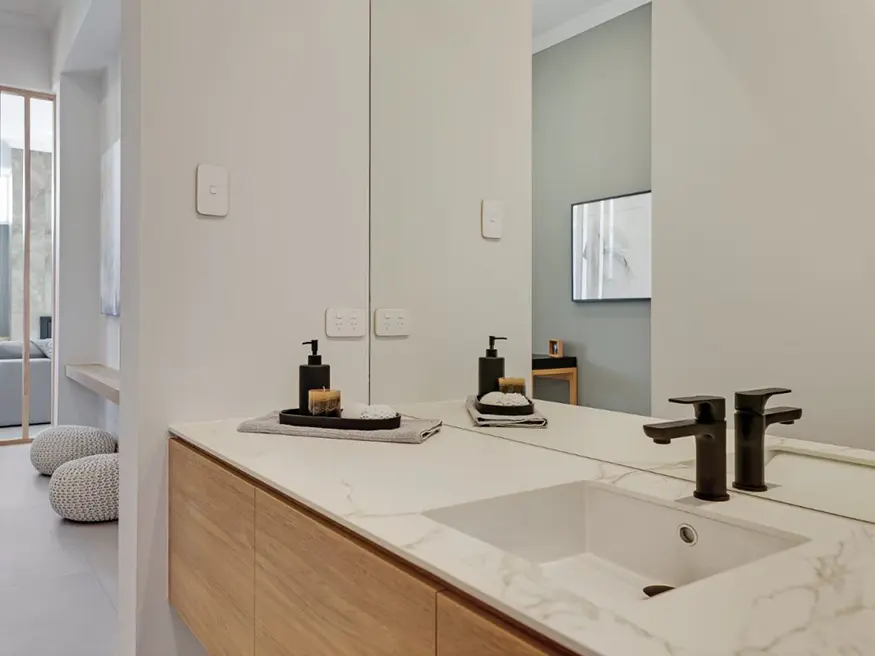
x=58, y=579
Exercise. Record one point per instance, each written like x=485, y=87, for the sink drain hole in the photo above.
x=688, y=534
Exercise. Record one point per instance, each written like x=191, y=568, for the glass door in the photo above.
x=27, y=145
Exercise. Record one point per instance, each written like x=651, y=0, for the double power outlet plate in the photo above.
x=353, y=322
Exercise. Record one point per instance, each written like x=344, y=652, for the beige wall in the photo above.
x=25, y=57
x=763, y=158
x=77, y=322
x=214, y=311
x=451, y=125
x=109, y=334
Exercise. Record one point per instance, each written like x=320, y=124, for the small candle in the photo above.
x=324, y=403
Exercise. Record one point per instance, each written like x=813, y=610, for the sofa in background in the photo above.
x=40, y=383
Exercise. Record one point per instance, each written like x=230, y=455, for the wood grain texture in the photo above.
x=463, y=630
x=212, y=551
x=320, y=592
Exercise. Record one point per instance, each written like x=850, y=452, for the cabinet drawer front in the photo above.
x=321, y=593
x=212, y=554
x=463, y=630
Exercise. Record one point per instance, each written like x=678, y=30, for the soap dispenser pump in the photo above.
x=491, y=368
x=313, y=375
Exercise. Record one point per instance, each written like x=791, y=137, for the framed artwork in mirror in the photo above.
x=610, y=248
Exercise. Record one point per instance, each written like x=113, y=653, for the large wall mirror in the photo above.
x=611, y=248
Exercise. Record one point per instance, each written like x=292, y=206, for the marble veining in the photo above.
x=617, y=438
x=817, y=598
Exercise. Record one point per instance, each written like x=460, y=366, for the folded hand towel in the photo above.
x=536, y=420
x=412, y=431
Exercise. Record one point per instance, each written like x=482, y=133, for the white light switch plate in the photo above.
x=492, y=219
x=212, y=190
x=390, y=322
x=346, y=322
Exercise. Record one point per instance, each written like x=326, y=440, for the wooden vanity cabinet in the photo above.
x=464, y=630
x=212, y=551
x=320, y=592
x=255, y=574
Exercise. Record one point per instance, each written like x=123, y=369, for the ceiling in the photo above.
x=547, y=14
x=39, y=13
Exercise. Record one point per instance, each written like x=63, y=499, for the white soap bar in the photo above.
x=354, y=410
x=378, y=412
x=507, y=400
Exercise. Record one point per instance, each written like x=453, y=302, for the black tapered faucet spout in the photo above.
x=667, y=431
x=783, y=415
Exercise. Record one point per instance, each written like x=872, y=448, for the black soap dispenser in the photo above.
x=313, y=375
x=491, y=368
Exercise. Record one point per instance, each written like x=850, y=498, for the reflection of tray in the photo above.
x=506, y=410
x=294, y=417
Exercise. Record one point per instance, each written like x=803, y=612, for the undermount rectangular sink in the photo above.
x=608, y=544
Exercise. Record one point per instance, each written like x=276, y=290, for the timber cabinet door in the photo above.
x=463, y=630
x=212, y=551
x=321, y=592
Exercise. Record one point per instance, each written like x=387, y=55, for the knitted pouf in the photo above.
x=55, y=446
x=86, y=490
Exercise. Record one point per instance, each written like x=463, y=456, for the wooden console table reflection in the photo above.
x=564, y=368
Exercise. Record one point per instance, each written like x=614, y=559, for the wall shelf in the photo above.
x=100, y=379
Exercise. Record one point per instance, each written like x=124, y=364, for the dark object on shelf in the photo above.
x=313, y=375
x=709, y=429
x=506, y=410
x=548, y=362
x=45, y=327
x=491, y=368
x=556, y=348
x=653, y=590
x=294, y=417
x=751, y=421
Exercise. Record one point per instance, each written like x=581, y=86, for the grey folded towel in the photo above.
x=412, y=431
x=536, y=420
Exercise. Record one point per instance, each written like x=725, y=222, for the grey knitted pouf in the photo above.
x=86, y=490
x=55, y=446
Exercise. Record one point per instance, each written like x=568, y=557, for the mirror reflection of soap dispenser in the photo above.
x=313, y=375
x=491, y=368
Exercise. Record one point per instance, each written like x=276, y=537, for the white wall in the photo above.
x=594, y=13
x=25, y=57
x=108, y=333
x=214, y=311
x=69, y=23
x=451, y=125
x=763, y=161
x=76, y=323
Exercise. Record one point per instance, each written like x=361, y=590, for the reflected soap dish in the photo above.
x=505, y=410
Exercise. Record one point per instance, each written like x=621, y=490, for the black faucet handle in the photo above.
x=756, y=400
x=709, y=409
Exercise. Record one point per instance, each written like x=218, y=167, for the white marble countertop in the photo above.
x=618, y=438
x=817, y=598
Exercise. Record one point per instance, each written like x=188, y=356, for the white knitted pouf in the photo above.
x=86, y=490
x=55, y=446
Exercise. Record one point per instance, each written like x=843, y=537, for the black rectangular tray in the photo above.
x=294, y=417
x=507, y=411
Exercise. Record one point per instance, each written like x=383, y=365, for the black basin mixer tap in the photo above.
x=751, y=421
x=709, y=429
